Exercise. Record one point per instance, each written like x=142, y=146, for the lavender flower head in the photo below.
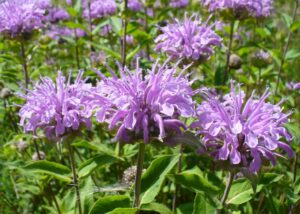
x=241, y=8
x=99, y=8
x=245, y=132
x=19, y=17
x=135, y=5
x=179, y=3
x=147, y=107
x=57, y=33
x=190, y=40
x=57, y=14
x=57, y=109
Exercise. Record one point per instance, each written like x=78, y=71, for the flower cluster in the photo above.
x=57, y=109
x=179, y=3
x=242, y=8
x=135, y=5
x=246, y=132
x=19, y=17
x=96, y=9
x=144, y=107
x=57, y=14
x=57, y=33
x=190, y=40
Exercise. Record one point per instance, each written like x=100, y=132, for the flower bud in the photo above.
x=235, y=62
x=261, y=59
x=5, y=93
x=21, y=145
x=41, y=156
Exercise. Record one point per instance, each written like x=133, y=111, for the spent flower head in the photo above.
x=244, y=132
x=56, y=108
x=190, y=40
x=144, y=106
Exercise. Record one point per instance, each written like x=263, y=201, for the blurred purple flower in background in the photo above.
x=144, y=107
x=245, y=132
x=19, y=17
x=253, y=8
x=57, y=109
x=179, y=3
x=135, y=5
x=98, y=8
x=293, y=85
x=57, y=33
x=191, y=40
x=57, y=14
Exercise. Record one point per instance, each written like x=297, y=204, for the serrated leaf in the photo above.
x=109, y=203
x=56, y=170
x=154, y=177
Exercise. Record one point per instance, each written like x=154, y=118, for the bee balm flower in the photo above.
x=57, y=109
x=241, y=8
x=144, y=107
x=190, y=40
x=21, y=17
x=243, y=131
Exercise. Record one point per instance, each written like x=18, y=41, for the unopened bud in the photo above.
x=235, y=62
x=261, y=59
x=41, y=156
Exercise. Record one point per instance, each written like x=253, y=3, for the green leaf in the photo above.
x=56, y=170
x=124, y=211
x=268, y=178
x=116, y=24
x=133, y=53
x=204, y=204
x=292, y=54
x=287, y=19
x=91, y=164
x=193, y=180
x=157, y=207
x=107, y=50
x=109, y=203
x=154, y=177
x=241, y=191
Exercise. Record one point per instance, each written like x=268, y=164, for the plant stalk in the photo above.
x=285, y=50
x=75, y=178
x=226, y=71
x=124, y=44
x=179, y=169
x=138, y=176
x=24, y=64
x=227, y=189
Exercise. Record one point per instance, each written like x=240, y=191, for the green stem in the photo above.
x=138, y=176
x=259, y=81
x=227, y=189
x=179, y=169
x=124, y=34
x=75, y=177
x=285, y=50
x=226, y=71
x=24, y=64
x=76, y=50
